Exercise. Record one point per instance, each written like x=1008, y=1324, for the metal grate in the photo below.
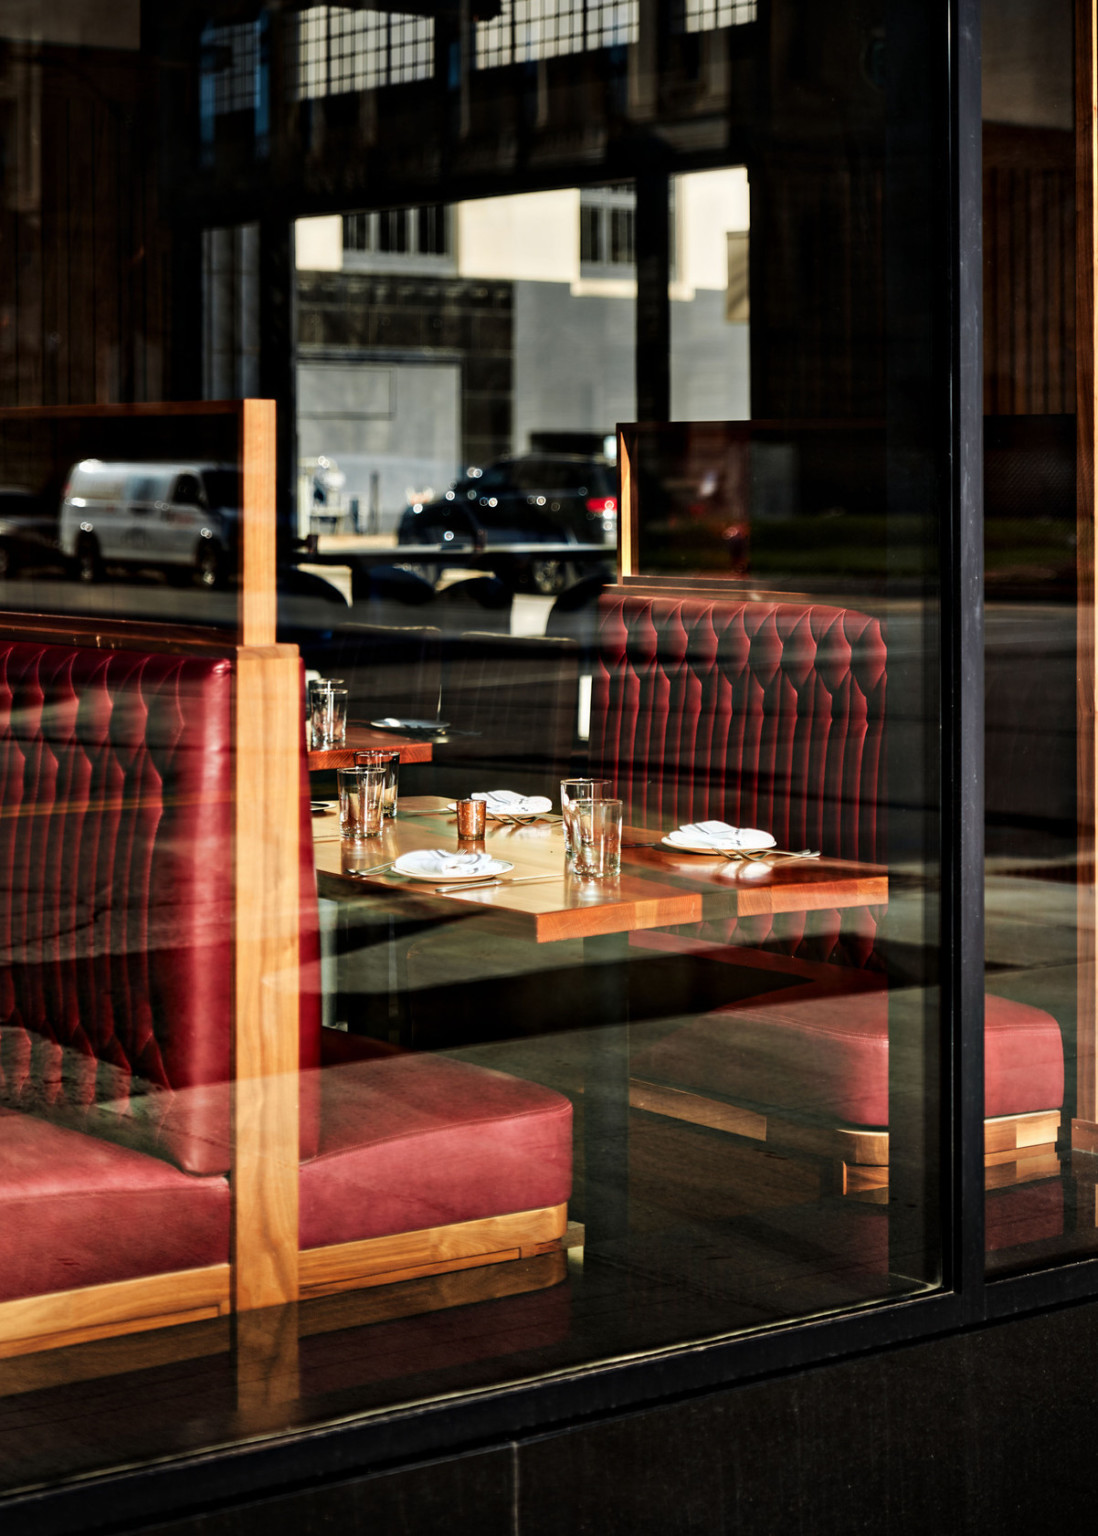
x=341, y=50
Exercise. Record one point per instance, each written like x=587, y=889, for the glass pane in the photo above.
x=609, y=349
x=1037, y=869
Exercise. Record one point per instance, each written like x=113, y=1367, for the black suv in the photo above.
x=537, y=498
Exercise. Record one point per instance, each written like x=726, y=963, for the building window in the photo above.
x=230, y=60
x=608, y=226
x=399, y=232
x=708, y=15
x=526, y=30
x=340, y=50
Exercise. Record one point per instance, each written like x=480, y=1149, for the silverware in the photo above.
x=375, y=869
x=480, y=885
x=776, y=853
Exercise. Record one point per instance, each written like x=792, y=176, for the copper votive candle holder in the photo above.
x=471, y=819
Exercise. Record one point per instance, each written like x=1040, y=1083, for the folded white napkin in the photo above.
x=719, y=834
x=508, y=802
x=444, y=861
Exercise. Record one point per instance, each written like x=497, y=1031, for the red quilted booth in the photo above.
x=116, y=1005
x=771, y=714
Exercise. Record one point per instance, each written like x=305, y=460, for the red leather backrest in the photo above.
x=116, y=962
x=765, y=714
x=116, y=898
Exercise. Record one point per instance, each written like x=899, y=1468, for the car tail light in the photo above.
x=602, y=505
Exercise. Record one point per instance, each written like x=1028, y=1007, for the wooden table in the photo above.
x=657, y=887
x=362, y=738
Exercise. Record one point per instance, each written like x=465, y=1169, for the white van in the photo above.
x=181, y=517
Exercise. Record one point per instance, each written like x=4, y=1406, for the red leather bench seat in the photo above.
x=413, y=1141
x=116, y=1004
x=826, y=1055
x=79, y=1210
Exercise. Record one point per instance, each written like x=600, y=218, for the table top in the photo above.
x=658, y=886
x=360, y=738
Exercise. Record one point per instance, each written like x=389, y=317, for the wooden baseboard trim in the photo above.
x=430, y=1251
x=102, y=1311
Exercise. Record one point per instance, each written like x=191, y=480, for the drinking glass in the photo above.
x=361, y=792
x=328, y=713
x=390, y=761
x=578, y=789
x=596, y=828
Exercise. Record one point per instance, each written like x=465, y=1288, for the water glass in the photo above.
x=390, y=761
x=578, y=789
x=596, y=828
x=361, y=792
x=327, y=713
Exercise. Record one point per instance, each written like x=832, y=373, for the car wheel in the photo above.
x=209, y=565
x=89, y=565
x=550, y=577
x=8, y=565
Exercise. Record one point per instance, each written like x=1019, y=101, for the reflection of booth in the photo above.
x=713, y=701
x=180, y=1137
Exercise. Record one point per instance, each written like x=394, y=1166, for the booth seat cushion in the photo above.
x=414, y=1141
x=826, y=1054
x=78, y=1210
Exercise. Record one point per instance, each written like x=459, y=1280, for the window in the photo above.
x=608, y=226
x=340, y=50
x=399, y=232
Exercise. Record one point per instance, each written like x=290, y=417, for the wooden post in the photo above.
x=258, y=523
x=1084, y=1127
x=266, y=1039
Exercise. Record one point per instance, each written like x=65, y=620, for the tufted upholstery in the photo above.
x=765, y=714
x=116, y=1003
x=116, y=864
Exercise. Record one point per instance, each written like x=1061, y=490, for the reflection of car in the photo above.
x=538, y=498
x=177, y=516
x=28, y=531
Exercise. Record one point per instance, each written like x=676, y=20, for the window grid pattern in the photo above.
x=612, y=23
x=340, y=50
x=708, y=15
x=608, y=224
x=543, y=29
x=230, y=58
x=399, y=231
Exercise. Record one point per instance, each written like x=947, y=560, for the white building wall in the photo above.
x=533, y=237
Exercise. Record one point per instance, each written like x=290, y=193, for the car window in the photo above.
x=496, y=478
x=188, y=492
x=143, y=488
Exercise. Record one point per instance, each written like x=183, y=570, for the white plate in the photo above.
x=391, y=723
x=758, y=842
x=403, y=866
x=491, y=815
